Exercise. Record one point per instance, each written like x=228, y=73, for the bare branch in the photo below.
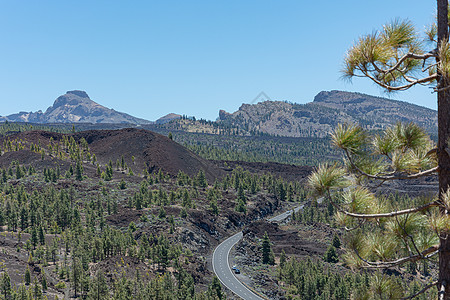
x=421, y=291
x=389, y=214
x=382, y=215
x=400, y=87
x=409, y=79
x=361, y=222
x=381, y=264
x=436, y=89
x=432, y=151
x=429, y=67
x=391, y=177
x=413, y=56
x=442, y=290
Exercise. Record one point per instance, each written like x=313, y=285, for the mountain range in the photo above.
x=313, y=119
x=317, y=118
x=77, y=107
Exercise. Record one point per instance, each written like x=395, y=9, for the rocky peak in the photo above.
x=70, y=98
x=76, y=106
x=327, y=96
x=78, y=93
x=223, y=115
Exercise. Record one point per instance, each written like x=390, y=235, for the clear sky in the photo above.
x=150, y=58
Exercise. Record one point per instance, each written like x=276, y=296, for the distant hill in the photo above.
x=167, y=118
x=75, y=107
x=317, y=118
x=141, y=150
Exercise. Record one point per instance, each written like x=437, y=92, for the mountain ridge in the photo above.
x=319, y=117
x=280, y=118
x=75, y=107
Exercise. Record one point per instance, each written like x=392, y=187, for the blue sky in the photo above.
x=150, y=58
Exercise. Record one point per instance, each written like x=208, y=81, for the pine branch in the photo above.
x=400, y=87
x=385, y=215
x=381, y=265
x=361, y=222
x=410, y=55
x=390, y=177
x=421, y=291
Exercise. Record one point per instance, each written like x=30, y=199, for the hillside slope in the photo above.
x=141, y=149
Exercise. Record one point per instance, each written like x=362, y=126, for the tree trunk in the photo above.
x=443, y=155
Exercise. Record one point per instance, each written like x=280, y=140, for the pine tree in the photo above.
x=44, y=282
x=267, y=253
x=215, y=289
x=5, y=284
x=162, y=213
x=396, y=59
x=34, y=237
x=37, y=289
x=214, y=207
x=27, y=276
x=241, y=207
x=41, y=236
x=201, y=179
x=282, y=259
x=336, y=241
x=79, y=171
x=331, y=255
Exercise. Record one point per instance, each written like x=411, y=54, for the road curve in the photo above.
x=222, y=268
x=223, y=271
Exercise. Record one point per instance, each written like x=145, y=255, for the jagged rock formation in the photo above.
x=75, y=107
x=317, y=118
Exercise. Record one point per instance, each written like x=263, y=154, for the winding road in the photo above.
x=223, y=271
x=222, y=267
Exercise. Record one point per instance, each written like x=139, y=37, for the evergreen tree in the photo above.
x=162, y=213
x=241, y=207
x=5, y=285
x=336, y=242
x=267, y=254
x=282, y=259
x=37, y=289
x=214, y=207
x=396, y=59
x=44, y=282
x=27, y=276
x=98, y=287
x=34, y=237
x=215, y=289
x=79, y=171
x=41, y=236
x=331, y=255
x=201, y=179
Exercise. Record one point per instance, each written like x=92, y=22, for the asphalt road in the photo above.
x=223, y=270
x=286, y=214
